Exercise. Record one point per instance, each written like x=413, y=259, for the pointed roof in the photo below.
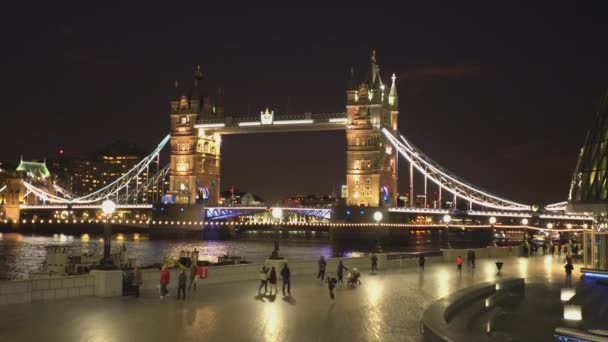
x=590, y=179
x=392, y=95
x=33, y=169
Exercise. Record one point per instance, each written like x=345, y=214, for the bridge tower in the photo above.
x=371, y=162
x=195, y=154
x=14, y=195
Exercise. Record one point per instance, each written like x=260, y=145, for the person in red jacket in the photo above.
x=272, y=279
x=459, y=263
x=165, y=278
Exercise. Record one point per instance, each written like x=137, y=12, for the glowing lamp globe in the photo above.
x=524, y=221
x=447, y=218
x=585, y=226
x=549, y=225
x=378, y=216
x=569, y=226
x=108, y=207
x=277, y=213
x=492, y=220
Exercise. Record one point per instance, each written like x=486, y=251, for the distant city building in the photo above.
x=344, y=191
x=420, y=201
x=87, y=173
x=310, y=200
x=236, y=197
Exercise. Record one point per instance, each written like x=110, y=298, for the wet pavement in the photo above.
x=386, y=307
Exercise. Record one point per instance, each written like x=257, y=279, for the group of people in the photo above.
x=182, y=281
x=532, y=249
x=270, y=276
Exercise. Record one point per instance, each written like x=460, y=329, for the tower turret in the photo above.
x=392, y=94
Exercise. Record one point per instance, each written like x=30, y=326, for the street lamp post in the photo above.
x=378, y=218
x=446, y=239
x=108, y=207
x=277, y=214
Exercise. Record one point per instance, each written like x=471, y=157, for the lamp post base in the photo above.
x=275, y=256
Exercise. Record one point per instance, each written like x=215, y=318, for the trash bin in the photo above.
x=499, y=265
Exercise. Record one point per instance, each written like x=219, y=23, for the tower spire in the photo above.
x=392, y=95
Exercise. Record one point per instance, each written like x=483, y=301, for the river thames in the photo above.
x=22, y=254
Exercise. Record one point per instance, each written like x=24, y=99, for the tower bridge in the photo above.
x=373, y=148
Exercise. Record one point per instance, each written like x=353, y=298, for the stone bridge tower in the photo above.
x=195, y=154
x=371, y=162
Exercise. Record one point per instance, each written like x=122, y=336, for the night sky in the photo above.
x=501, y=96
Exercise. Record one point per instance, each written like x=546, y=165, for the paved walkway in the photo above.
x=387, y=307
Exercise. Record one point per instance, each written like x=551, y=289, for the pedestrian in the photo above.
x=193, y=273
x=469, y=257
x=137, y=280
x=568, y=258
x=421, y=261
x=331, y=284
x=459, y=263
x=272, y=278
x=165, y=278
x=263, y=275
x=559, y=250
x=552, y=250
x=322, y=265
x=569, y=269
x=341, y=269
x=182, y=280
x=473, y=258
x=286, y=276
x=374, y=263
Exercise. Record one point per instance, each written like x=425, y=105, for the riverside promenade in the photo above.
x=386, y=307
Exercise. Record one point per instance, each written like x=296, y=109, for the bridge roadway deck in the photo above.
x=387, y=307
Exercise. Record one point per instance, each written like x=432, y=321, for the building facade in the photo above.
x=371, y=162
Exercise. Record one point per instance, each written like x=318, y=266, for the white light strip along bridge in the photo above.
x=447, y=181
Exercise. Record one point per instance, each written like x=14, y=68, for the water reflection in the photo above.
x=21, y=254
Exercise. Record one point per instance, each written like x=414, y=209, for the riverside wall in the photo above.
x=104, y=284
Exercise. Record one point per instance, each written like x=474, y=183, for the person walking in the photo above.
x=331, y=285
x=421, y=261
x=272, y=278
x=181, y=285
x=341, y=269
x=286, y=276
x=568, y=267
x=193, y=273
x=322, y=265
x=469, y=257
x=473, y=256
x=165, y=278
x=552, y=250
x=263, y=275
x=374, y=263
x=459, y=263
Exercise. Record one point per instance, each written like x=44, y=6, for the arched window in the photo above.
x=206, y=147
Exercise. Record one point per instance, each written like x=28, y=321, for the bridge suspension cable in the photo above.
x=446, y=180
x=143, y=188
x=108, y=191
